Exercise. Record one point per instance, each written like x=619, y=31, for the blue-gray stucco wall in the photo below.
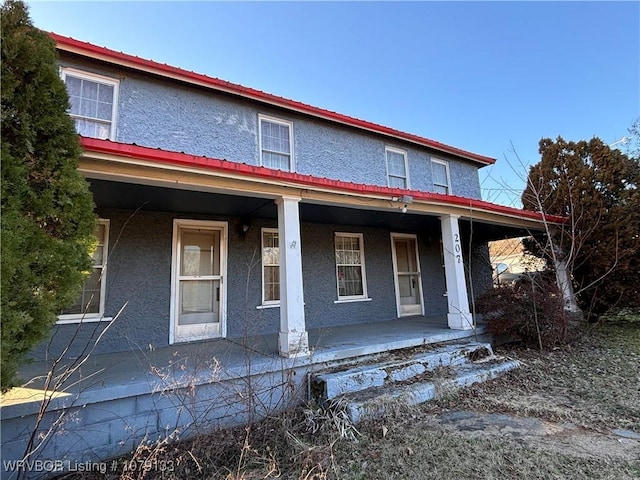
x=139, y=279
x=173, y=116
x=480, y=279
x=319, y=271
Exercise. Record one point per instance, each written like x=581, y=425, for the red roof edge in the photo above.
x=113, y=56
x=188, y=160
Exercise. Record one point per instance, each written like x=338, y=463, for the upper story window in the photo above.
x=441, y=180
x=397, y=168
x=93, y=101
x=276, y=143
x=89, y=305
x=270, y=267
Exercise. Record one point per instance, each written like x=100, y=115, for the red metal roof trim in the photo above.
x=115, y=57
x=187, y=160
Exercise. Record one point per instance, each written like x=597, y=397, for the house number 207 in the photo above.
x=457, y=247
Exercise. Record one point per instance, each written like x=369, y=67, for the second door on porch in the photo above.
x=408, y=282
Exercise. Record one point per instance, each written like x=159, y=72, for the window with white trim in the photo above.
x=350, y=271
x=276, y=143
x=93, y=101
x=397, y=168
x=440, y=171
x=270, y=267
x=89, y=305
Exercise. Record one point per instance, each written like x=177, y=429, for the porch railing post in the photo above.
x=293, y=340
x=459, y=317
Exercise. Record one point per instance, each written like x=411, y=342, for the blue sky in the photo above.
x=479, y=76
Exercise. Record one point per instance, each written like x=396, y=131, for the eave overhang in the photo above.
x=70, y=45
x=107, y=160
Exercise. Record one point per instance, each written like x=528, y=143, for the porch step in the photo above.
x=378, y=402
x=332, y=385
x=409, y=378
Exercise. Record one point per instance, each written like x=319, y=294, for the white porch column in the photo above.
x=459, y=317
x=293, y=339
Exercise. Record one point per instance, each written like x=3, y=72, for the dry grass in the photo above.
x=594, y=384
x=411, y=451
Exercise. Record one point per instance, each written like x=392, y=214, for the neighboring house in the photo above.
x=229, y=213
x=510, y=262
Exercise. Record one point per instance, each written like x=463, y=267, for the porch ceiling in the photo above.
x=108, y=194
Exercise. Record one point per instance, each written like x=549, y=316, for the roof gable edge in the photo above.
x=78, y=47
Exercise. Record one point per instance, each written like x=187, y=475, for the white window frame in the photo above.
x=351, y=298
x=446, y=166
x=267, y=303
x=399, y=151
x=92, y=77
x=279, y=121
x=99, y=316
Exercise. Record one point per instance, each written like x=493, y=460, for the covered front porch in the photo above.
x=279, y=260
x=109, y=376
x=441, y=251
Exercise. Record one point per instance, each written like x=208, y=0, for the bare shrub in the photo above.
x=531, y=310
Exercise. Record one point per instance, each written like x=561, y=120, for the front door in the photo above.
x=406, y=267
x=197, y=310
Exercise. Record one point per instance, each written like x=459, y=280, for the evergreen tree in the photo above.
x=596, y=187
x=47, y=208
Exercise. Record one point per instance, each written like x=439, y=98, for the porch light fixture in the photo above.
x=245, y=226
x=404, y=209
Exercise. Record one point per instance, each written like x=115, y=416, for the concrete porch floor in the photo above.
x=117, y=375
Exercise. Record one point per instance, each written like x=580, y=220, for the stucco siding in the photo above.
x=139, y=276
x=323, y=150
x=244, y=292
x=183, y=119
x=433, y=279
x=139, y=282
x=481, y=277
x=177, y=117
x=320, y=284
x=465, y=181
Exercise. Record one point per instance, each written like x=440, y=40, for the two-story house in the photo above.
x=227, y=211
x=228, y=214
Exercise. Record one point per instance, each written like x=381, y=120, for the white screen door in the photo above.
x=198, y=281
x=406, y=267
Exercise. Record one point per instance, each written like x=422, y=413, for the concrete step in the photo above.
x=402, y=368
x=379, y=401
